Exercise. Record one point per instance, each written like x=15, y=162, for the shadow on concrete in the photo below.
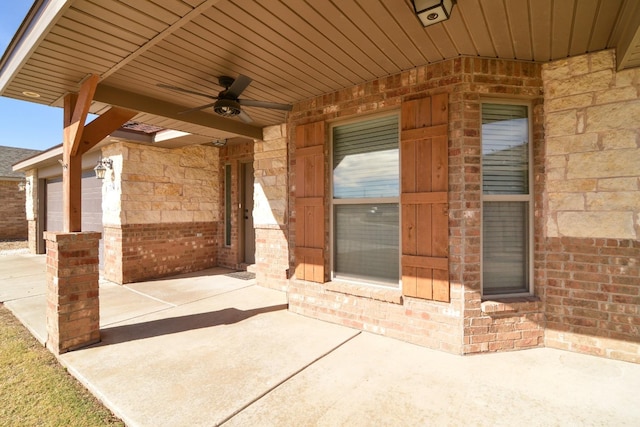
x=174, y=325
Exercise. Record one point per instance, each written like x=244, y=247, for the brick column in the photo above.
x=73, y=310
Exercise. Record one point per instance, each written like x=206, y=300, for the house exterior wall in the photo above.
x=13, y=225
x=270, y=211
x=160, y=211
x=462, y=325
x=592, y=206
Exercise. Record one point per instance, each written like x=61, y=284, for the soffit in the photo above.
x=296, y=49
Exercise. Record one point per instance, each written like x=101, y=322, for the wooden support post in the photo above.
x=78, y=139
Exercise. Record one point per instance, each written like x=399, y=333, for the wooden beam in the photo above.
x=73, y=129
x=102, y=126
x=71, y=172
x=130, y=100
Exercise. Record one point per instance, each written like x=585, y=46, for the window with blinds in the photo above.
x=506, y=199
x=366, y=217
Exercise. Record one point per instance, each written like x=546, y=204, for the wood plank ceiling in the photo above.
x=294, y=49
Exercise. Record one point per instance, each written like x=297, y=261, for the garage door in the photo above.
x=91, y=206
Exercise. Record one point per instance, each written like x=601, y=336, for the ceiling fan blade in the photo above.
x=265, y=104
x=239, y=85
x=245, y=117
x=179, y=89
x=202, y=107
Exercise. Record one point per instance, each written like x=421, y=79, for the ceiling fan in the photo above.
x=227, y=103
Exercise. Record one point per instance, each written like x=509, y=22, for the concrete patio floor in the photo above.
x=206, y=349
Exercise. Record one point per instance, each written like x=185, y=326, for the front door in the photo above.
x=249, y=242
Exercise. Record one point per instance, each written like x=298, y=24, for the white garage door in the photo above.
x=91, y=206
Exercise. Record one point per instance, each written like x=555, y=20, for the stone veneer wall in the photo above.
x=13, y=225
x=160, y=211
x=31, y=211
x=592, y=206
x=270, y=218
x=463, y=325
x=234, y=155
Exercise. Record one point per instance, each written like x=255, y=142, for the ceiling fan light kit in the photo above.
x=226, y=107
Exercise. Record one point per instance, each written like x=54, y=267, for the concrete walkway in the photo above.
x=207, y=349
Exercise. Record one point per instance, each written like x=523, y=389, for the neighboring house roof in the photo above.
x=11, y=155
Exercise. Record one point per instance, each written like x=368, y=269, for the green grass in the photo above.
x=35, y=390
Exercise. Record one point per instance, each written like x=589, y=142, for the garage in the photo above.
x=91, y=206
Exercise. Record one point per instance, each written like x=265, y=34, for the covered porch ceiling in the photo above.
x=292, y=49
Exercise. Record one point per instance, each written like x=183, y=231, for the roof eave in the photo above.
x=41, y=18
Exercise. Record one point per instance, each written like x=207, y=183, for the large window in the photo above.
x=506, y=200
x=366, y=189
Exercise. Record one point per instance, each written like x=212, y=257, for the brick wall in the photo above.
x=460, y=326
x=13, y=221
x=592, y=206
x=136, y=252
x=593, y=296
x=73, y=306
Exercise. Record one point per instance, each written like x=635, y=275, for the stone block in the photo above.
x=578, y=65
x=610, y=224
x=623, y=115
x=566, y=202
x=569, y=102
x=572, y=144
x=556, y=70
x=176, y=216
x=625, y=138
x=616, y=95
x=604, y=164
x=613, y=201
x=141, y=217
x=561, y=123
x=272, y=132
x=556, y=162
x=603, y=60
x=167, y=189
x=618, y=184
x=585, y=83
x=572, y=185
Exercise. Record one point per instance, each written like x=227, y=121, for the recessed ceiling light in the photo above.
x=31, y=94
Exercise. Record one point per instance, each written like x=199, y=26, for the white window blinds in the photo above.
x=366, y=216
x=506, y=199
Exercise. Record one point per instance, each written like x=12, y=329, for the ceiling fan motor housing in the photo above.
x=226, y=107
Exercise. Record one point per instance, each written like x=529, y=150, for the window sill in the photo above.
x=387, y=295
x=510, y=305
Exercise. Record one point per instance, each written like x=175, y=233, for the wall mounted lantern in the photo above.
x=432, y=11
x=102, y=166
x=22, y=185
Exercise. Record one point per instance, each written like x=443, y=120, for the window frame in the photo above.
x=363, y=201
x=528, y=198
x=228, y=205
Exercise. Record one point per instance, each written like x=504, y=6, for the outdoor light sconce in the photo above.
x=432, y=11
x=22, y=185
x=102, y=166
x=219, y=142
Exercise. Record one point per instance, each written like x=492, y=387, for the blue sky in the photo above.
x=24, y=124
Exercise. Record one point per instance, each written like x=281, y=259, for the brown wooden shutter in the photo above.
x=425, y=224
x=310, y=183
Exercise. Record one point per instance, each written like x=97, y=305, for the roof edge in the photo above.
x=33, y=161
x=36, y=25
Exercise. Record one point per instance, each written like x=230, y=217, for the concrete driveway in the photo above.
x=208, y=349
